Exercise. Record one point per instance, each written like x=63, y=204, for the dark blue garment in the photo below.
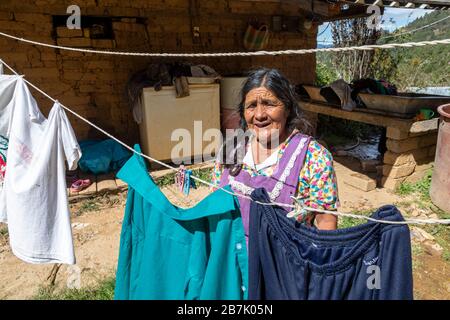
x=288, y=260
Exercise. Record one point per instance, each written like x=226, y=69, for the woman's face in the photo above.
x=265, y=114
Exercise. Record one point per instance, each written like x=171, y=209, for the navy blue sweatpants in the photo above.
x=288, y=260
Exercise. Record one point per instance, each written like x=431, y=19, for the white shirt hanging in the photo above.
x=33, y=200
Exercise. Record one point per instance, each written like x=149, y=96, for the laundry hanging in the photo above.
x=171, y=253
x=288, y=260
x=33, y=199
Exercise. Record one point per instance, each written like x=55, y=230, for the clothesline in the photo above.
x=233, y=54
x=296, y=207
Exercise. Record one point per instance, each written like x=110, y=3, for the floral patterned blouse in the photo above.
x=317, y=185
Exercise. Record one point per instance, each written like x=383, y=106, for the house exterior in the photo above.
x=94, y=85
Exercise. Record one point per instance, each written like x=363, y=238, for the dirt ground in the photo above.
x=96, y=229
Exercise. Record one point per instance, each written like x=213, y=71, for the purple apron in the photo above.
x=281, y=185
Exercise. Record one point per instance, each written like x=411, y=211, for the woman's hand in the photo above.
x=326, y=221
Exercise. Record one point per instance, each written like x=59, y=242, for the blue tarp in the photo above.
x=102, y=156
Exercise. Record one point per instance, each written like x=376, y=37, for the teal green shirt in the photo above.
x=171, y=253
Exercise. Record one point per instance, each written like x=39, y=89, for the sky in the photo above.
x=399, y=17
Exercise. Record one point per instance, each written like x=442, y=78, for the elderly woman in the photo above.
x=280, y=151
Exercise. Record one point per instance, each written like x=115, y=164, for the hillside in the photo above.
x=424, y=66
x=440, y=30
x=408, y=67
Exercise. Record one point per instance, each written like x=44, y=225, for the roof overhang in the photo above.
x=408, y=4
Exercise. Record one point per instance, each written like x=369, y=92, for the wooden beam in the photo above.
x=429, y=4
x=359, y=116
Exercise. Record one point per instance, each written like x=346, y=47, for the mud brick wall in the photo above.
x=94, y=85
x=409, y=156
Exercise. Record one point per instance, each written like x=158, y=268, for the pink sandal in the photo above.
x=79, y=185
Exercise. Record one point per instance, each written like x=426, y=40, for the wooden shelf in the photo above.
x=408, y=125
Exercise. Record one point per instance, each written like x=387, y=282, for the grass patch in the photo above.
x=347, y=222
x=416, y=252
x=421, y=188
x=405, y=189
x=3, y=230
x=104, y=290
x=87, y=206
x=169, y=179
x=441, y=235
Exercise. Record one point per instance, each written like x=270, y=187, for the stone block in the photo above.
x=391, y=183
x=103, y=43
x=74, y=42
x=398, y=171
x=78, y=76
x=33, y=18
x=396, y=133
x=412, y=156
x=6, y=15
x=106, y=182
x=64, y=32
x=400, y=146
x=416, y=176
x=101, y=64
x=360, y=181
x=48, y=56
x=42, y=73
x=428, y=140
x=425, y=165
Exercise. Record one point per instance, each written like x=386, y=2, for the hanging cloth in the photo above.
x=288, y=260
x=33, y=198
x=167, y=252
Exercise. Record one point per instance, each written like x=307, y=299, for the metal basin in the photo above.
x=314, y=93
x=404, y=103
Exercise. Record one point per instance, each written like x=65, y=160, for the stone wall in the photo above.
x=94, y=85
x=409, y=156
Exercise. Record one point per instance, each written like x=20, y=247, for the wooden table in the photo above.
x=359, y=115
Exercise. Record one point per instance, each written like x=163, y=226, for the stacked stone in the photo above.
x=409, y=156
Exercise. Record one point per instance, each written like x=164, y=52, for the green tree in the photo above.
x=353, y=32
x=324, y=74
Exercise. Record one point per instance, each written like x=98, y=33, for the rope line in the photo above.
x=336, y=213
x=235, y=54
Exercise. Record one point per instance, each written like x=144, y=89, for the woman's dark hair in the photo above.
x=276, y=82
x=273, y=80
